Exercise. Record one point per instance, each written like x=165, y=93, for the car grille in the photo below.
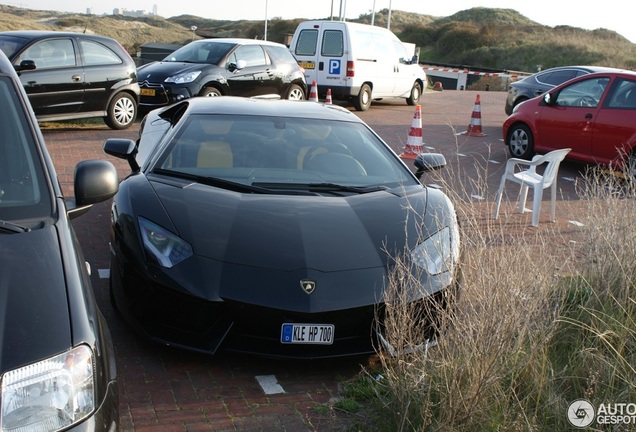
x=153, y=94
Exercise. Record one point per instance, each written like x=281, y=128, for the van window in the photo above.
x=307, y=41
x=400, y=51
x=332, y=43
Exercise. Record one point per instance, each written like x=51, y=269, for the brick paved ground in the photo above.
x=164, y=389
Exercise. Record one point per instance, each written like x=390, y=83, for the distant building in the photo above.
x=135, y=13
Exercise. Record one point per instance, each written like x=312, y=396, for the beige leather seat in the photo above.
x=215, y=154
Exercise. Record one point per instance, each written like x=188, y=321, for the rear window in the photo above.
x=307, y=42
x=97, y=54
x=332, y=43
x=557, y=77
x=279, y=54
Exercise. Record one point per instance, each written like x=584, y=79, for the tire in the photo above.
x=210, y=92
x=520, y=141
x=295, y=92
x=416, y=92
x=122, y=112
x=362, y=102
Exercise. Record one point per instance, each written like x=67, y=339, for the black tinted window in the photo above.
x=23, y=189
x=557, y=77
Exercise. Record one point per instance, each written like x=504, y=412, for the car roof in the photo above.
x=38, y=34
x=241, y=41
x=621, y=73
x=267, y=107
x=590, y=69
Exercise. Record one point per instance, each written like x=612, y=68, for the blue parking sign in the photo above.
x=334, y=67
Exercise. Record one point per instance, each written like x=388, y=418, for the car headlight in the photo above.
x=438, y=253
x=166, y=247
x=51, y=394
x=182, y=78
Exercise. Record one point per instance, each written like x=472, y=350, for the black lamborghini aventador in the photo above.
x=271, y=227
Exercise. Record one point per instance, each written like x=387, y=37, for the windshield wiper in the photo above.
x=215, y=181
x=323, y=187
x=12, y=228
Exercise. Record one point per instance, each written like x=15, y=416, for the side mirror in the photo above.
x=237, y=66
x=25, y=65
x=428, y=162
x=95, y=181
x=547, y=98
x=122, y=148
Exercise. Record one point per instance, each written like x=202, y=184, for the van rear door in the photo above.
x=320, y=49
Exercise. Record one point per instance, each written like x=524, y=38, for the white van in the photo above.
x=358, y=62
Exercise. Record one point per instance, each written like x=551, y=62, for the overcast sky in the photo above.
x=609, y=14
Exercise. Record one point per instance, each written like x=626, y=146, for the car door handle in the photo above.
x=588, y=116
x=76, y=77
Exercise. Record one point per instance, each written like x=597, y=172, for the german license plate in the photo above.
x=318, y=334
x=147, y=92
x=307, y=65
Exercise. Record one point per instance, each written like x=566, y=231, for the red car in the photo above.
x=594, y=115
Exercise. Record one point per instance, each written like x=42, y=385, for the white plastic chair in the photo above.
x=530, y=178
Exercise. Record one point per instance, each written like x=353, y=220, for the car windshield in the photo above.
x=24, y=192
x=201, y=52
x=282, y=153
x=11, y=44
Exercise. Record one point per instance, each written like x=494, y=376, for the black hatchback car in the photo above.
x=57, y=365
x=215, y=67
x=70, y=76
x=540, y=82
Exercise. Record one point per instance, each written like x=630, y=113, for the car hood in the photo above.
x=159, y=71
x=34, y=312
x=290, y=232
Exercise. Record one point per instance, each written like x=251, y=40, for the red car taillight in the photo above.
x=350, y=69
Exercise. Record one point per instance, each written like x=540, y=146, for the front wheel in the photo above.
x=210, y=92
x=295, y=93
x=121, y=112
x=416, y=92
x=520, y=141
x=363, y=101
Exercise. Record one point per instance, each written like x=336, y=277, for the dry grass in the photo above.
x=546, y=316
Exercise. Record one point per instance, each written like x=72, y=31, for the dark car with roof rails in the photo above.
x=540, y=82
x=57, y=360
x=224, y=66
x=70, y=76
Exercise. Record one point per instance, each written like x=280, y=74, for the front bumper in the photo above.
x=181, y=320
x=160, y=95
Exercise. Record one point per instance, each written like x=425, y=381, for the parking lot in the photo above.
x=167, y=389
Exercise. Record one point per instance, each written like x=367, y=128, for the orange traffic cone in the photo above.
x=313, y=94
x=328, y=98
x=414, y=145
x=474, y=128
